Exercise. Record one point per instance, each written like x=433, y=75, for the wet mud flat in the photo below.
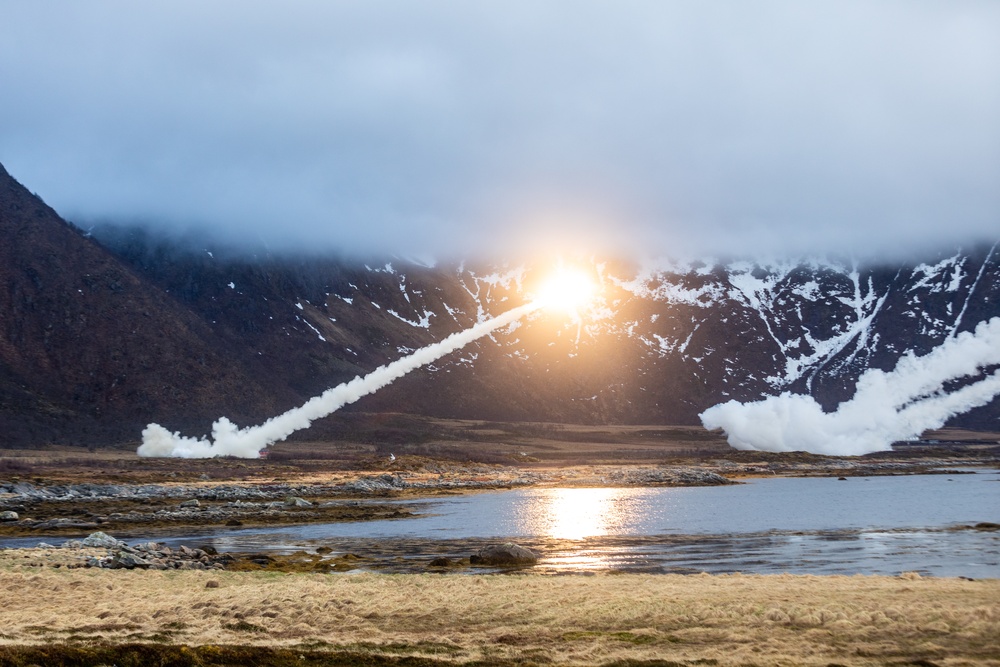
x=161, y=516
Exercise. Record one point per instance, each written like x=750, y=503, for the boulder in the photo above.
x=191, y=503
x=100, y=539
x=295, y=501
x=504, y=555
x=127, y=561
x=9, y=515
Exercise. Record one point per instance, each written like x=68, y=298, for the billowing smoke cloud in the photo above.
x=229, y=440
x=898, y=405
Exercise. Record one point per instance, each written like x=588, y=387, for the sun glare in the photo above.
x=567, y=290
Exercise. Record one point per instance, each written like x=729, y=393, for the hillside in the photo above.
x=89, y=351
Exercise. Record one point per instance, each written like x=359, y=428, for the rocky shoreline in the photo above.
x=27, y=508
x=100, y=550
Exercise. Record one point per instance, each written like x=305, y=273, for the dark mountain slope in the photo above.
x=89, y=350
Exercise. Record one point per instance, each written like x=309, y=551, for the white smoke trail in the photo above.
x=887, y=406
x=229, y=440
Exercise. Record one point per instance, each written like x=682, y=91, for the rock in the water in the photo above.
x=295, y=501
x=504, y=555
x=440, y=561
x=100, y=539
x=9, y=515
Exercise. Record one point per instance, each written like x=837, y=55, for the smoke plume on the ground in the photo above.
x=887, y=406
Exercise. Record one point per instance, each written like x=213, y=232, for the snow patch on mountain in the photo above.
x=424, y=322
x=946, y=275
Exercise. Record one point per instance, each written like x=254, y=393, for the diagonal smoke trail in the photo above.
x=229, y=440
x=887, y=406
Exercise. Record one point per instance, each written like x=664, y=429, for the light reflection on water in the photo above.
x=576, y=514
x=573, y=514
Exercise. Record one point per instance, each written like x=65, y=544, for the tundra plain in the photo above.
x=65, y=616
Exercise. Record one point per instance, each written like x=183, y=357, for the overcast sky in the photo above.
x=501, y=127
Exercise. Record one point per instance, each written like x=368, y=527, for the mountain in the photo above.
x=101, y=334
x=661, y=343
x=89, y=350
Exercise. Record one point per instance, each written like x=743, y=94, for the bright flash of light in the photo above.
x=567, y=290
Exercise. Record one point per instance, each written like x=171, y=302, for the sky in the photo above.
x=440, y=128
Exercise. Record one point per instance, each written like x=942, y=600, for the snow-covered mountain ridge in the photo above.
x=660, y=342
x=810, y=327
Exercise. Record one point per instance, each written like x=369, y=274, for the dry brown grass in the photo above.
x=733, y=620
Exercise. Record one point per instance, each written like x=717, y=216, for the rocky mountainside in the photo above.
x=89, y=350
x=110, y=331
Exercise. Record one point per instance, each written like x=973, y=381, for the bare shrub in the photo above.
x=15, y=466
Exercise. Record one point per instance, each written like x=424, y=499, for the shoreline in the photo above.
x=659, y=555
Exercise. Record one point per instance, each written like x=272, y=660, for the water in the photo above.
x=876, y=525
x=800, y=504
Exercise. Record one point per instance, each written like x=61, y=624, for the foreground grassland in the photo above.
x=90, y=616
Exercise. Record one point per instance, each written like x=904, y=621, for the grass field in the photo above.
x=89, y=616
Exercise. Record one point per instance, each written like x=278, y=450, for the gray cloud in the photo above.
x=455, y=127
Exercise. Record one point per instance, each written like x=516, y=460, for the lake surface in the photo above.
x=872, y=525
x=798, y=504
